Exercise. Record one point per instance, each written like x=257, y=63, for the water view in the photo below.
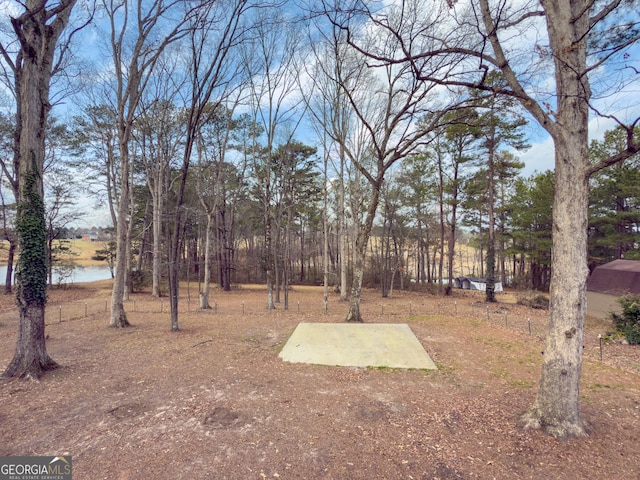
x=91, y=273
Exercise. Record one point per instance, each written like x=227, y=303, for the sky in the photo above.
x=540, y=157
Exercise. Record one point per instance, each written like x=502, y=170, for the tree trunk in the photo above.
x=557, y=405
x=342, y=230
x=268, y=247
x=286, y=263
x=174, y=289
x=354, y=315
x=451, y=245
x=490, y=293
x=157, y=235
x=384, y=259
x=442, y=220
x=141, y=263
x=206, y=282
x=426, y=256
x=219, y=245
x=173, y=253
x=303, y=275
x=276, y=265
x=128, y=279
x=228, y=247
x=325, y=236
x=8, y=284
x=118, y=315
x=31, y=358
x=38, y=31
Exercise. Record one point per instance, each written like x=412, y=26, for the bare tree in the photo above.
x=216, y=30
x=159, y=132
x=388, y=100
x=331, y=114
x=569, y=28
x=136, y=43
x=213, y=172
x=575, y=42
x=95, y=138
x=269, y=61
x=60, y=211
x=38, y=29
x=9, y=179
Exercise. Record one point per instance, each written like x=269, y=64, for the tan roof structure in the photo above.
x=616, y=278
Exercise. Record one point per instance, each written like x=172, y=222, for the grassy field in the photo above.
x=85, y=250
x=82, y=251
x=466, y=261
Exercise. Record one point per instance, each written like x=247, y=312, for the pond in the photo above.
x=91, y=273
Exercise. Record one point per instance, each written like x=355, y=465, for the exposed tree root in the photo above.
x=29, y=368
x=561, y=430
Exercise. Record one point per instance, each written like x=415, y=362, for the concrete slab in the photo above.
x=356, y=345
x=601, y=305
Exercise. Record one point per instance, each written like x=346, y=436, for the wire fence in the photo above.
x=402, y=308
x=388, y=310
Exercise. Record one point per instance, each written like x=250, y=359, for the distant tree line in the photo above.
x=408, y=248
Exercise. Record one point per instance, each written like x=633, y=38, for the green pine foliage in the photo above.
x=614, y=210
x=628, y=322
x=531, y=226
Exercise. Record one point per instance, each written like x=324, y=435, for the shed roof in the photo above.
x=616, y=278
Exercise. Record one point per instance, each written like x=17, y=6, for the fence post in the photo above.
x=600, y=340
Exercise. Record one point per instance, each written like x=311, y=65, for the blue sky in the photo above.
x=540, y=157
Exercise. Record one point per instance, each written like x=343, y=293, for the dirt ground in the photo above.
x=214, y=401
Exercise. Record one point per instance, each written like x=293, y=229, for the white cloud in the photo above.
x=539, y=158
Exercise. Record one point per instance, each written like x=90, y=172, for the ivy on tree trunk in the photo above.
x=37, y=31
x=31, y=358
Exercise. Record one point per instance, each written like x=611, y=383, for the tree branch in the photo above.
x=633, y=147
x=602, y=14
